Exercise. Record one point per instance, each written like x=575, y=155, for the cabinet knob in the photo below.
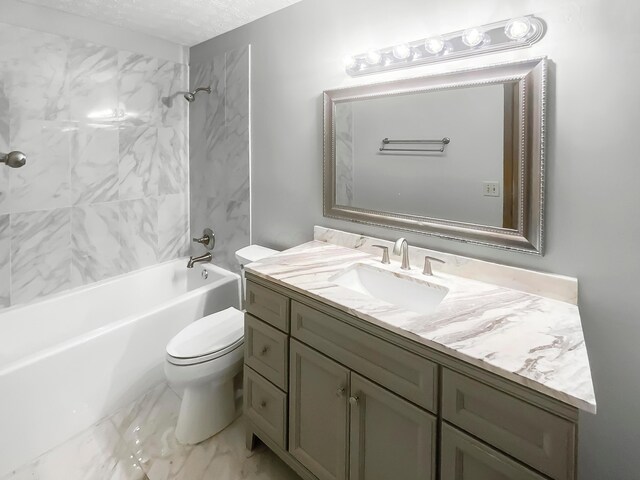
x=354, y=400
x=264, y=350
x=263, y=403
x=340, y=392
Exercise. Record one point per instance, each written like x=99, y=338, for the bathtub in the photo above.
x=74, y=358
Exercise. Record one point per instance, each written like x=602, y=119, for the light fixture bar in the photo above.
x=495, y=37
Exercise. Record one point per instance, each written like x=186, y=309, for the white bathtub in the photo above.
x=72, y=359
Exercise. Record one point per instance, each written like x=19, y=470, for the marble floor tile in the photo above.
x=96, y=454
x=148, y=428
x=138, y=443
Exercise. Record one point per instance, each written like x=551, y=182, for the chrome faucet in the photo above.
x=402, y=247
x=202, y=258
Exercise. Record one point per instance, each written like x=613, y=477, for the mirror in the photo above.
x=458, y=155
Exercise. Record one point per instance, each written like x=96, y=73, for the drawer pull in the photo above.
x=340, y=392
x=355, y=400
x=264, y=350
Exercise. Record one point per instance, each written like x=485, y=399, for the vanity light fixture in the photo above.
x=373, y=57
x=518, y=28
x=434, y=45
x=472, y=37
x=402, y=51
x=495, y=37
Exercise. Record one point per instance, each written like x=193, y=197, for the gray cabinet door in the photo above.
x=464, y=458
x=318, y=412
x=390, y=437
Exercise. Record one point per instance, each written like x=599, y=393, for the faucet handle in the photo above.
x=427, y=264
x=385, y=254
x=208, y=239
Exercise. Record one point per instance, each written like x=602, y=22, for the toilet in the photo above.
x=203, y=360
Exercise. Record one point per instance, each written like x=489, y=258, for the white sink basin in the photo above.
x=391, y=287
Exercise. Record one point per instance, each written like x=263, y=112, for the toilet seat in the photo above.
x=208, y=338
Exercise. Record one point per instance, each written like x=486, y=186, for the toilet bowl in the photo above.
x=202, y=362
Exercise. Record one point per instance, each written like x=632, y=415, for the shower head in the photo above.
x=191, y=96
x=13, y=159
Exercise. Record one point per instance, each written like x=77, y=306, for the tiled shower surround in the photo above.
x=105, y=187
x=220, y=155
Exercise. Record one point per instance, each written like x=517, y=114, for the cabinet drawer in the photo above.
x=464, y=458
x=266, y=351
x=266, y=406
x=268, y=306
x=406, y=374
x=531, y=435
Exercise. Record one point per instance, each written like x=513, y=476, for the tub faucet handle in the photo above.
x=208, y=239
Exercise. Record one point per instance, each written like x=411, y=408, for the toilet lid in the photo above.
x=208, y=335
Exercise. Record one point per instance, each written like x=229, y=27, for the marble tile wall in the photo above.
x=105, y=187
x=220, y=154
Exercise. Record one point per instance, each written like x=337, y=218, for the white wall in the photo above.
x=592, y=224
x=57, y=22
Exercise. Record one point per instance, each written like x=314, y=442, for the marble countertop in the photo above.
x=529, y=339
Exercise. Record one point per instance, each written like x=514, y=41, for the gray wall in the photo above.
x=592, y=222
x=105, y=187
x=220, y=153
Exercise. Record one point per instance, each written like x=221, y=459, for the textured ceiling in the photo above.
x=186, y=22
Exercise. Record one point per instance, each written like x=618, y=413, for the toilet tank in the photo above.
x=253, y=253
x=249, y=254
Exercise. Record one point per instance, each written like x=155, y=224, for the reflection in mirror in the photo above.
x=457, y=155
x=464, y=182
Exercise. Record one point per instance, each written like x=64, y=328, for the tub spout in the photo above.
x=202, y=258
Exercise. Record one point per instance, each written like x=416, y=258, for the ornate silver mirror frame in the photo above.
x=525, y=145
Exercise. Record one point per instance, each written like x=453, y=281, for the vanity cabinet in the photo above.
x=389, y=437
x=464, y=458
x=338, y=398
x=332, y=408
x=318, y=413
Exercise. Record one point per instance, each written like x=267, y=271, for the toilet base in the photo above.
x=206, y=409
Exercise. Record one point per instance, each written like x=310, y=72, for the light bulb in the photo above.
x=349, y=62
x=518, y=28
x=373, y=57
x=434, y=45
x=402, y=51
x=472, y=37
